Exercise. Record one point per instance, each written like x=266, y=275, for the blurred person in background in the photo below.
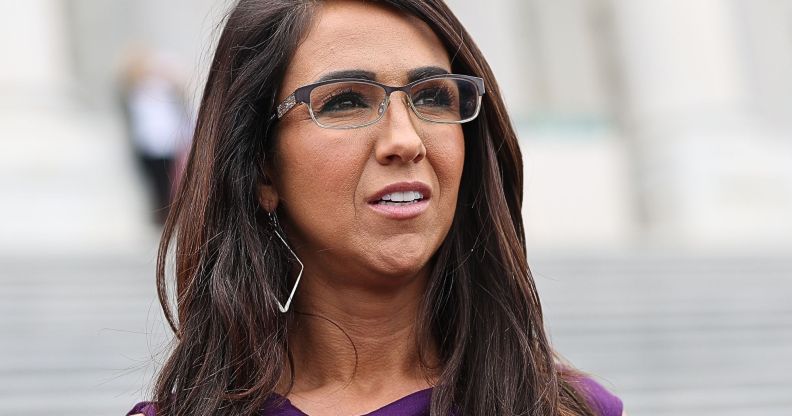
x=157, y=121
x=374, y=166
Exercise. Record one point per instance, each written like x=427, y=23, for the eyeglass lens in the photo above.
x=351, y=103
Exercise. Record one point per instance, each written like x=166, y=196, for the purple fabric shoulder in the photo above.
x=601, y=399
x=145, y=408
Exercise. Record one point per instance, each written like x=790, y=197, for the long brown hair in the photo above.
x=481, y=306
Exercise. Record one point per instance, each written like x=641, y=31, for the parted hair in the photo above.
x=481, y=306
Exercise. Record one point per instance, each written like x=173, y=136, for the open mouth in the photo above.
x=400, y=198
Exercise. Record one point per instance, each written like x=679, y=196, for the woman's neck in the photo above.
x=358, y=340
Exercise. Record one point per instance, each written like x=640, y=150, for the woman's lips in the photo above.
x=401, y=210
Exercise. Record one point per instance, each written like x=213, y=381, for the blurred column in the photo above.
x=33, y=86
x=768, y=57
x=64, y=176
x=679, y=60
x=705, y=161
x=34, y=51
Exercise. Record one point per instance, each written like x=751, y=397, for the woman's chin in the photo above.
x=400, y=267
x=404, y=260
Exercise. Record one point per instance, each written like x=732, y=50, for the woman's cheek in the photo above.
x=446, y=153
x=319, y=181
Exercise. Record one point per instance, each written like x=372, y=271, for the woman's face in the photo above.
x=328, y=181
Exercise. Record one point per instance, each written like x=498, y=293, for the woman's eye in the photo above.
x=433, y=97
x=343, y=102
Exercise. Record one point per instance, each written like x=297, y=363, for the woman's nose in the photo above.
x=398, y=140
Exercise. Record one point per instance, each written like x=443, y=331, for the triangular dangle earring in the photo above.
x=275, y=226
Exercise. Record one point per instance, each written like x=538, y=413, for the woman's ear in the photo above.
x=268, y=195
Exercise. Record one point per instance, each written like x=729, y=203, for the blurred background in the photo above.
x=657, y=140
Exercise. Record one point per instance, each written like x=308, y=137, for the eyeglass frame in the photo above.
x=302, y=95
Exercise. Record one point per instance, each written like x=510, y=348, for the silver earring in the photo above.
x=275, y=226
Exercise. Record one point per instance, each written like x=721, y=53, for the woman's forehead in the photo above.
x=356, y=35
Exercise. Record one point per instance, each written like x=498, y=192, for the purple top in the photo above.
x=417, y=404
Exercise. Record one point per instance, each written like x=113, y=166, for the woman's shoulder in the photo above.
x=143, y=408
x=603, y=401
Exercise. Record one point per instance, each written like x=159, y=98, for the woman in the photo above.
x=348, y=237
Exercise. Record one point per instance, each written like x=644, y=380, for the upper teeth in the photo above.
x=402, y=196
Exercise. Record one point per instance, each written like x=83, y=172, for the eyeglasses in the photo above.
x=353, y=103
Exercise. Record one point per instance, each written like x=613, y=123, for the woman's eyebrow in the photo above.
x=412, y=75
x=424, y=72
x=349, y=73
